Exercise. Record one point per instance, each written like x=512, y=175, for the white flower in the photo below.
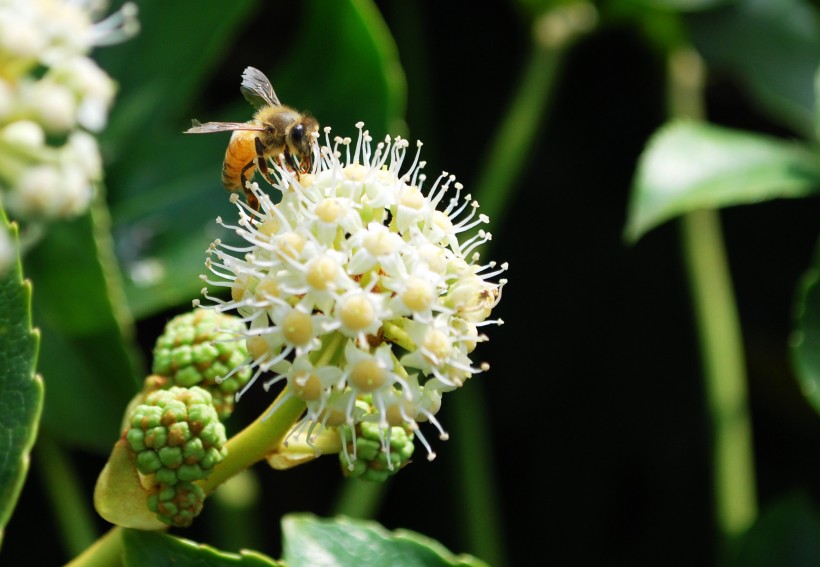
x=49, y=81
x=371, y=267
x=8, y=251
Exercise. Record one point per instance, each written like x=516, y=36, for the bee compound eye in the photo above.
x=297, y=133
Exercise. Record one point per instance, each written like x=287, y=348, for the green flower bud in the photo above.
x=375, y=459
x=188, y=442
x=177, y=505
x=201, y=348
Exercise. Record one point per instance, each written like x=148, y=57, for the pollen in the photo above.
x=357, y=313
x=306, y=386
x=266, y=288
x=380, y=243
x=321, y=272
x=257, y=347
x=356, y=172
x=269, y=226
x=328, y=210
x=394, y=416
x=367, y=376
x=418, y=295
x=436, y=345
x=412, y=197
x=290, y=245
x=297, y=328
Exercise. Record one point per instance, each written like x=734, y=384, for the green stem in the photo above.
x=257, y=440
x=719, y=333
x=106, y=552
x=69, y=503
x=553, y=33
x=359, y=499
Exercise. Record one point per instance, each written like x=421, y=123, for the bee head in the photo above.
x=300, y=139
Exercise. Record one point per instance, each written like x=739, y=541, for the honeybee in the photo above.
x=276, y=131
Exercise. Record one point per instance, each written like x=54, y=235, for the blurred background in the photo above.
x=593, y=421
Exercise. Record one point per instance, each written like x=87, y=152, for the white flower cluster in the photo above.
x=355, y=287
x=51, y=96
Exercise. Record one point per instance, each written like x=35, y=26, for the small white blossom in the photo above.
x=49, y=80
x=8, y=251
x=357, y=288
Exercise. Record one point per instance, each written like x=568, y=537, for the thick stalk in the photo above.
x=553, y=33
x=106, y=551
x=256, y=441
x=69, y=502
x=719, y=333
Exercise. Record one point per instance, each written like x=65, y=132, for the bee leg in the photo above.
x=261, y=162
x=292, y=163
x=244, y=177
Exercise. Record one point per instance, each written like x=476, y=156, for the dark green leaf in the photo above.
x=88, y=359
x=151, y=549
x=679, y=5
x=772, y=47
x=310, y=541
x=689, y=166
x=342, y=66
x=21, y=390
x=163, y=68
x=817, y=104
x=805, y=340
x=787, y=533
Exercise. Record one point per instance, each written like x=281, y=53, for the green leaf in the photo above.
x=88, y=359
x=689, y=166
x=773, y=47
x=164, y=67
x=805, y=340
x=786, y=533
x=341, y=65
x=21, y=390
x=119, y=497
x=817, y=104
x=344, y=542
x=151, y=549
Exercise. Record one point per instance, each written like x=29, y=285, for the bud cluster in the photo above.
x=178, y=438
x=206, y=349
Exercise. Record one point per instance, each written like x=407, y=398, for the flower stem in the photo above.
x=553, y=33
x=257, y=440
x=70, y=507
x=106, y=551
x=719, y=332
x=359, y=499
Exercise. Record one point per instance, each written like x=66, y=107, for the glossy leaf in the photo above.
x=772, y=47
x=689, y=166
x=680, y=5
x=119, y=497
x=817, y=104
x=166, y=189
x=88, y=359
x=344, y=542
x=805, y=340
x=787, y=533
x=152, y=549
x=21, y=389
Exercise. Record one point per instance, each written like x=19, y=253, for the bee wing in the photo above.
x=257, y=90
x=199, y=128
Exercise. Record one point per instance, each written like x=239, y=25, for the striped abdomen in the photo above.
x=240, y=152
